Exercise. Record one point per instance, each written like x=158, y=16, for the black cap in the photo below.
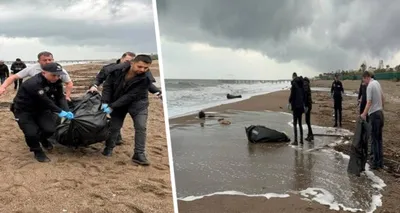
x=54, y=68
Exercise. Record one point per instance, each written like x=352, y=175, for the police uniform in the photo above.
x=336, y=91
x=35, y=107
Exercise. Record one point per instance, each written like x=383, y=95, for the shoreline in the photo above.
x=321, y=116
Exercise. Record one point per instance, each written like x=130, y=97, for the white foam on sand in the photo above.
x=267, y=195
x=324, y=197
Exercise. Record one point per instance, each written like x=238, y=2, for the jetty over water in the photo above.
x=231, y=81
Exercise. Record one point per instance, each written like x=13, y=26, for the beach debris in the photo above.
x=223, y=121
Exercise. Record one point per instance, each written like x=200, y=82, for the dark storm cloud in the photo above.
x=321, y=33
x=138, y=35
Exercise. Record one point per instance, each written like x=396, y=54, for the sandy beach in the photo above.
x=321, y=116
x=84, y=180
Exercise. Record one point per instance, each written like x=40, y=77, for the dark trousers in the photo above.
x=337, y=105
x=308, y=121
x=297, y=120
x=139, y=123
x=17, y=82
x=37, y=127
x=377, y=123
x=2, y=79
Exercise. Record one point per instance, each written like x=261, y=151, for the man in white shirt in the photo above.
x=43, y=59
x=374, y=110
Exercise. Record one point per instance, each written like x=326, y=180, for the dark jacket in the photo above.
x=359, y=148
x=337, y=89
x=132, y=94
x=362, y=93
x=37, y=94
x=4, y=71
x=307, y=92
x=107, y=69
x=297, y=97
x=17, y=66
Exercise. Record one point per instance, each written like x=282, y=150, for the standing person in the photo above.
x=35, y=106
x=296, y=101
x=374, y=110
x=122, y=63
x=308, y=104
x=126, y=91
x=362, y=96
x=17, y=66
x=43, y=59
x=336, y=93
x=4, y=72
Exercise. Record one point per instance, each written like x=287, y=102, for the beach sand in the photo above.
x=321, y=116
x=84, y=180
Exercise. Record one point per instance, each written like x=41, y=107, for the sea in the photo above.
x=189, y=96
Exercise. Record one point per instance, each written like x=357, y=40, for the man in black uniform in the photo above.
x=126, y=91
x=4, y=72
x=297, y=103
x=122, y=63
x=17, y=66
x=35, y=107
x=336, y=93
x=308, y=104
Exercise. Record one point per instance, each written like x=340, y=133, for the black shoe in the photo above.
x=107, y=152
x=140, y=158
x=295, y=143
x=340, y=125
x=301, y=141
x=41, y=156
x=335, y=125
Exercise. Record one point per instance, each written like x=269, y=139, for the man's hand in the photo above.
x=159, y=95
x=364, y=116
x=68, y=98
x=93, y=89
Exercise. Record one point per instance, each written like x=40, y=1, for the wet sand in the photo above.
x=322, y=115
x=84, y=180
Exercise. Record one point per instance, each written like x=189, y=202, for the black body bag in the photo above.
x=262, y=134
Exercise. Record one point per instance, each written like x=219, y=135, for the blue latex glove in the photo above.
x=70, y=115
x=62, y=114
x=103, y=106
x=107, y=110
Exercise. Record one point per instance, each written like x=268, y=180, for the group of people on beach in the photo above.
x=370, y=100
x=41, y=98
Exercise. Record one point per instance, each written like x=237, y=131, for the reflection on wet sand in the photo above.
x=211, y=158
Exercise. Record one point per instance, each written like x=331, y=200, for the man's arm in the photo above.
x=291, y=94
x=332, y=88
x=12, y=68
x=153, y=89
x=60, y=97
x=130, y=96
x=39, y=94
x=100, y=77
x=369, y=101
x=69, y=85
x=341, y=87
x=7, y=72
x=108, y=89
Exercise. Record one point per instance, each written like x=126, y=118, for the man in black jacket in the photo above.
x=37, y=102
x=297, y=103
x=362, y=96
x=308, y=104
x=336, y=93
x=126, y=91
x=122, y=63
x=17, y=66
x=4, y=72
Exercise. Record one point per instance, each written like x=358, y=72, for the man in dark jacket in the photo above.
x=122, y=63
x=4, y=72
x=362, y=96
x=37, y=102
x=297, y=103
x=336, y=93
x=17, y=66
x=308, y=104
x=126, y=91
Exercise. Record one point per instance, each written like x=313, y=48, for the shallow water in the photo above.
x=217, y=158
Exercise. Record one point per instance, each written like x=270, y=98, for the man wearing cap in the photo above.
x=17, y=66
x=43, y=59
x=374, y=111
x=126, y=91
x=121, y=64
x=36, y=105
x=336, y=93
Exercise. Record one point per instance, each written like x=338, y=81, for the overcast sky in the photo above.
x=270, y=39
x=75, y=29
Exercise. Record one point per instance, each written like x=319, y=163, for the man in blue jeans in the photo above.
x=374, y=110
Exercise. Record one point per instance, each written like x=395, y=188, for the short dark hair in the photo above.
x=306, y=80
x=44, y=53
x=144, y=58
x=131, y=54
x=18, y=59
x=294, y=74
x=366, y=74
